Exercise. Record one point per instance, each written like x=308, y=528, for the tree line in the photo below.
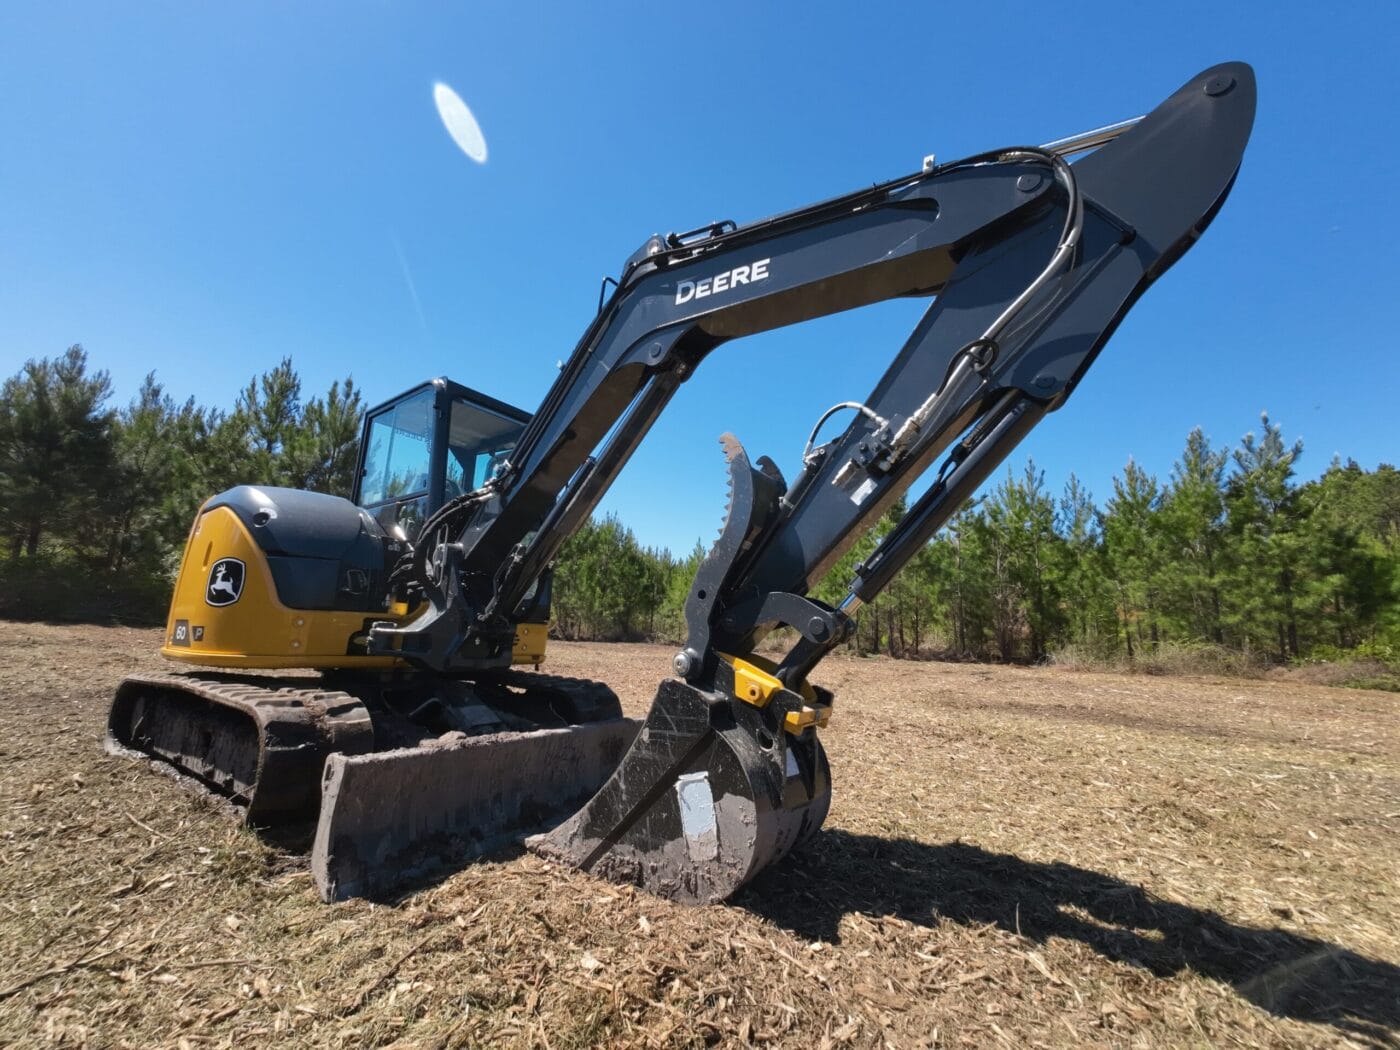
x=1228, y=553
x=1228, y=550
x=96, y=500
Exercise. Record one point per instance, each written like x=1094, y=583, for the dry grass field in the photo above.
x=1014, y=857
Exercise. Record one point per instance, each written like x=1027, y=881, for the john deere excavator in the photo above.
x=417, y=599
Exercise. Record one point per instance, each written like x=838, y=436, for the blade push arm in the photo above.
x=1033, y=263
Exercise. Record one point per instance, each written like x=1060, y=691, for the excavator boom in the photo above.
x=1031, y=263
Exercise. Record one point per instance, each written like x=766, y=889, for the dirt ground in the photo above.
x=1014, y=857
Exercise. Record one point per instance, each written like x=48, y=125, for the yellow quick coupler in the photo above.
x=755, y=684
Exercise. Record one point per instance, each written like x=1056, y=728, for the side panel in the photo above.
x=233, y=618
x=225, y=611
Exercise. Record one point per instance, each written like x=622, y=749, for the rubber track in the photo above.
x=260, y=742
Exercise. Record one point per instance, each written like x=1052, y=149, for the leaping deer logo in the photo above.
x=225, y=582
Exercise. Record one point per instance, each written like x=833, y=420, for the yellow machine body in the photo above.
x=257, y=629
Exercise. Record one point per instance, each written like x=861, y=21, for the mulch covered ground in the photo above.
x=1014, y=857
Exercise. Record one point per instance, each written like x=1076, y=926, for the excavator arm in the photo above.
x=1031, y=263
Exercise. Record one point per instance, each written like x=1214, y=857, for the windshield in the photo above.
x=478, y=441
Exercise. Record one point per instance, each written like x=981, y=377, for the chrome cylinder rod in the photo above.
x=1087, y=140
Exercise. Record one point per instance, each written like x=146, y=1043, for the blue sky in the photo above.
x=201, y=189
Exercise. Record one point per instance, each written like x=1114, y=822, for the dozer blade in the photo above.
x=391, y=817
x=711, y=792
x=256, y=742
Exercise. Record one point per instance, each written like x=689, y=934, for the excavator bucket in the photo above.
x=712, y=791
x=725, y=776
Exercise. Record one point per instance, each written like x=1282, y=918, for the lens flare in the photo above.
x=459, y=122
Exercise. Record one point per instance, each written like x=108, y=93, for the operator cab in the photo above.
x=430, y=444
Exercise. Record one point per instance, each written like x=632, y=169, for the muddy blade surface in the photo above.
x=388, y=819
x=261, y=744
x=709, y=795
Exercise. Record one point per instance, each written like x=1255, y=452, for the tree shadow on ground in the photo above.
x=1281, y=972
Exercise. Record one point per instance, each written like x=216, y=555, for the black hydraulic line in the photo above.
x=989, y=443
x=1146, y=198
x=1012, y=418
x=520, y=576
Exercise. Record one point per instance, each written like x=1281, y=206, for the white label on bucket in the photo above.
x=791, y=764
x=697, y=805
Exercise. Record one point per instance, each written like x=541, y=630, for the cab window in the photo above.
x=400, y=451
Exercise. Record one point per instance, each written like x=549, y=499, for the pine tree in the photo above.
x=268, y=411
x=56, y=451
x=960, y=582
x=150, y=504
x=95, y=505
x=1090, y=610
x=320, y=450
x=1027, y=557
x=1265, y=519
x=1133, y=552
x=678, y=577
x=604, y=583
x=1193, y=535
x=836, y=584
x=1351, y=554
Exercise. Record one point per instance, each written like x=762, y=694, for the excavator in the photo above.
x=368, y=668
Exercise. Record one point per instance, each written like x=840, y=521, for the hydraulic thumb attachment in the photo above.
x=1033, y=262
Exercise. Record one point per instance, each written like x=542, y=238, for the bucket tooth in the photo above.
x=712, y=791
